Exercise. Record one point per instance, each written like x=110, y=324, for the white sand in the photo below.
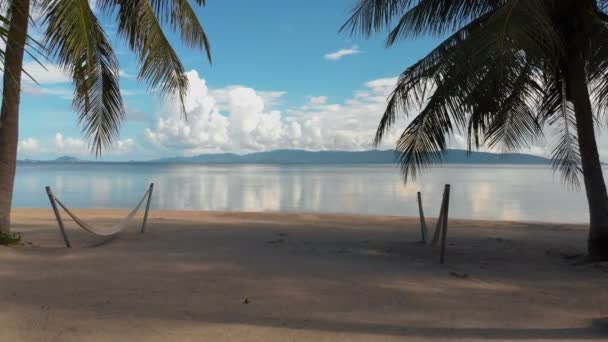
x=305, y=277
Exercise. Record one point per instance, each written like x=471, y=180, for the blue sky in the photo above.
x=281, y=74
x=282, y=77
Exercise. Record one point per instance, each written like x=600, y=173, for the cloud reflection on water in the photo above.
x=506, y=193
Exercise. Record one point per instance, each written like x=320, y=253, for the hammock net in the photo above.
x=104, y=231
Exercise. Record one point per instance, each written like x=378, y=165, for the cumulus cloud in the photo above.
x=222, y=96
x=29, y=146
x=318, y=100
x=78, y=147
x=62, y=145
x=63, y=93
x=69, y=145
x=124, y=74
x=242, y=119
x=51, y=79
x=47, y=74
x=337, y=55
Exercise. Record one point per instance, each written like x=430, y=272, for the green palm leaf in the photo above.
x=482, y=80
x=140, y=24
x=76, y=39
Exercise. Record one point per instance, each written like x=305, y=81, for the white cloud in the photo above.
x=33, y=89
x=318, y=100
x=29, y=146
x=51, y=80
x=129, y=92
x=78, y=147
x=123, y=146
x=47, y=74
x=240, y=119
x=337, y=55
x=222, y=96
x=124, y=74
x=70, y=145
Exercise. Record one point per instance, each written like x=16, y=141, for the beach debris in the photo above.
x=338, y=251
x=272, y=242
x=246, y=301
x=459, y=275
x=571, y=256
x=601, y=265
x=282, y=234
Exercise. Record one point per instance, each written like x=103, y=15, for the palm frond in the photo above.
x=425, y=139
x=502, y=112
x=436, y=17
x=481, y=80
x=416, y=83
x=558, y=114
x=140, y=24
x=182, y=18
x=76, y=40
x=370, y=16
x=597, y=66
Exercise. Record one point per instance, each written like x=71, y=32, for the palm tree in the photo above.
x=509, y=73
x=75, y=39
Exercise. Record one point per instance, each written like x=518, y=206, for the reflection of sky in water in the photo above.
x=483, y=192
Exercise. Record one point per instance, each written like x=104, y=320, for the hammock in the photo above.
x=99, y=231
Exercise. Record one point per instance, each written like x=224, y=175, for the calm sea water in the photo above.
x=478, y=192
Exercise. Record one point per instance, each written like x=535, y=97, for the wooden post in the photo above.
x=58, y=217
x=437, y=233
x=423, y=229
x=444, y=224
x=143, y=226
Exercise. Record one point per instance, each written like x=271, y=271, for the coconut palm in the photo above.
x=75, y=39
x=508, y=73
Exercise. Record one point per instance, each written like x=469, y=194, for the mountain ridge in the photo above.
x=282, y=157
x=452, y=156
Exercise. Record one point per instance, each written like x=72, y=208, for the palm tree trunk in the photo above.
x=9, y=114
x=595, y=186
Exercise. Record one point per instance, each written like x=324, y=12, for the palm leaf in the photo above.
x=480, y=80
x=374, y=15
x=558, y=114
x=434, y=17
x=76, y=40
x=140, y=24
x=182, y=18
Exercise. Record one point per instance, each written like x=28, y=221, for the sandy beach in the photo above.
x=212, y=276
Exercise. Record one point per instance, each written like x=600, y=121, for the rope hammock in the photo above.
x=105, y=231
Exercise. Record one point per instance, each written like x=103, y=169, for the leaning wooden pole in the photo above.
x=58, y=217
x=423, y=229
x=143, y=225
x=437, y=233
x=444, y=224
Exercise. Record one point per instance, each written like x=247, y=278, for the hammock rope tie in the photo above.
x=110, y=231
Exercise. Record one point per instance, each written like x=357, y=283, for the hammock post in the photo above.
x=58, y=217
x=444, y=230
x=437, y=233
x=143, y=226
x=423, y=229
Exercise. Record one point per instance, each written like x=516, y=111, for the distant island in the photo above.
x=62, y=159
x=329, y=157
x=67, y=159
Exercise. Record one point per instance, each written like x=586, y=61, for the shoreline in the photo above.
x=230, y=276
x=581, y=225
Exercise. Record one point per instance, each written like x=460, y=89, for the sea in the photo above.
x=501, y=192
